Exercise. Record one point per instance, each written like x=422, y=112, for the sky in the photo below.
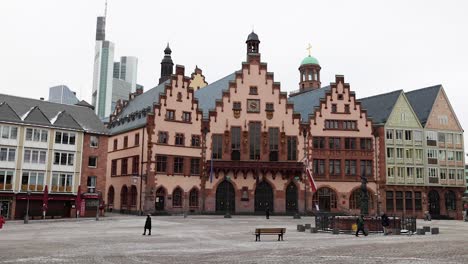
x=379, y=46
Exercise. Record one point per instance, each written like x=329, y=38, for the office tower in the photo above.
x=63, y=95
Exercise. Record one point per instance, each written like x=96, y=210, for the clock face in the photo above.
x=253, y=105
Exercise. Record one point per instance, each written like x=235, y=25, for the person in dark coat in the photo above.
x=360, y=225
x=267, y=212
x=385, y=223
x=148, y=225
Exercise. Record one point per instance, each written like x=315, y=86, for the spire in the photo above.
x=252, y=43
x=166, y=65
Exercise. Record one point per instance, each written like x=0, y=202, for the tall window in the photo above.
x=350, y=167
x=193, y=198
x=179, y=139
x=178, y=165
x=91, y=183
x=195, y=166
x=318, y=167
x=350, y=143
x=115, y=144
x=389, y=200
x=177, y=197
x=319, y=142
x=389, y=134
x=137, y=139
x=65, y=138
x=366, y=168
x=94, y=141
x=399, y=200
x=170, y=114
x=114, y=167
x=409, y=201
x=366, y=143
x=292, y=148
x=195, y=141
x=135, y=165
x=450, y=200
x=32, y=181
x=417, y=201
x=125, y=144
x=187, y=116
x=273, y=134
x=124, y=166
x=35, y=134
x=254, y=133
x=399, y=134
x=92, y=161
x=333, y=108
x=217, y=146
x=162, y=137
x=408, y=135
x=62, y=182
x=334, y=143
x=335, y=167
x=161, y=163
x=235, y=143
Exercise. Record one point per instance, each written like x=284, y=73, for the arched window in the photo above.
x=110, y=196
x=325, y=198
x=177, y=197
x=133, y=195
x=355, y=199
x=450, y=201
x=123, y=196
x=193, y=198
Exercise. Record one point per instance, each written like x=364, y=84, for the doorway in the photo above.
x=264, y=197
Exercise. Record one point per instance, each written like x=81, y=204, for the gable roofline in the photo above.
x=441, y=89
x=368, y=102
x=421, y=102
x=5, y=104
x=34, y=108
x=411, y=108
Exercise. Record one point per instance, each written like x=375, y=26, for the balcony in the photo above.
x=6, y=187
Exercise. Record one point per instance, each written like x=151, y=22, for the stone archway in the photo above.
x=264, y=197
x=225, y=197
x=434, y=203
x=160, y=199
x=291, y=198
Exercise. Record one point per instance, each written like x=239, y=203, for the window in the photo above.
x=115, y=144
x=178, y=165
x=441, y=137
x=32, y=181
x=177, y=198
x=419, y=173
x=334, y=143
x=389, y=134
x=449, y=138
x=124, y=166
x=195, y=166
x=340, y=96
x=366, y=168
x=431, y=135
x=136, y=165
x=91, y=183
x=418, y=154
x=459, y=175
x=254, y=136
x=162, y=137
x=399, y=200
x=179, y=139
x=62, y=182
x=325, y=194
x=409, y=172
x=236, y=106
x=432, y=154
x=292, y=148
x=334, y=167
x=389, y=200
x=125, y=144
x=350, y=143
x=390, y=153
x=450, y=155
x=409, y=201
x=333, y=108
x=459, y=156
x=94, y=141
x=349, y=125
x=35, y=134
x=9, y=132
x=273, y=134
x=408, y=135
x=366, y=143
x=432, y=172
x=399, y=153
x=6, y=179
x=170, y=114
x=404, y=117
x=187, y=116
x=451, y=174
x=319, y=142
x=63, y=158
x=417, y=201
x=409, y=153
x=92, y=161
x=217, y=147
x=195, y=142
x=9, y=154
x=235, y=138
x=114, y=168
x=458, y=139
x=390, y=172
x=161, y=163
x=355, y=200
x=318, y=167
x=269, y=107
x=443, y=119
x=399, y=134
x=350, y=167
x=64, y=138
x=400, y=172
x=450, y=200
x=331, y=124
x=193, y=198
x=253, y=90
x=417, y=136
x=346, y=108
x=137, y=139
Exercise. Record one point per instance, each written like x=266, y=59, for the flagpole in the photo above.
x=305, y=170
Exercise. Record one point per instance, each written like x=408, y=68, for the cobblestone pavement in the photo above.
x=213, y=239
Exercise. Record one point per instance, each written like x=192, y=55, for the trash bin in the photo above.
x=354, y=227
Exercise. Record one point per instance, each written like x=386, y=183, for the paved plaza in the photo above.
x=213, y=239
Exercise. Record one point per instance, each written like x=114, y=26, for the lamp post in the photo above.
x=98, y=205
x=204, y=132
x=26, y=218
x=296, y=214
x=306, y=154
x=228, y=213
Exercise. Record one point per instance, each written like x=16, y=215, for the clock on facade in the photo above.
x=253, y=105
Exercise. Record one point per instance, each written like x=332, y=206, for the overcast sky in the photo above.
x=379, y=46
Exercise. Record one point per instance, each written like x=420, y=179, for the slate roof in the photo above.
x=306, y=102
x=379, y=107
x=208, y=95
x=422, y=101
x=134, y=114
x=38, y=112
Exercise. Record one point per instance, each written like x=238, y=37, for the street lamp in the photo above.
x=306, y=164
x=26, y=218
x=98, y=205
x=203, y=176
x=228, y=213
x=296, y=214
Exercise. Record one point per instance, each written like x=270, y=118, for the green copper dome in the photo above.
x=309, y=60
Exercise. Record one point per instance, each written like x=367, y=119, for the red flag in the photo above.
x=313, y=186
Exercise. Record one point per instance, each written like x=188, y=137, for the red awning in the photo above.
x=52, y=197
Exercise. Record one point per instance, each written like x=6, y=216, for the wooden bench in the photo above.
x=269, y=231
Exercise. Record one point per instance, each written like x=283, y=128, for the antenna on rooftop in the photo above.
x=105, y=11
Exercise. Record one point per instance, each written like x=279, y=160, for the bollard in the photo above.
x=420, y=231
x=336, y=231
x=427, y=228
x=435, y=230
x=300, y=228
x=307, y=226
x=397, y=231
x=314, y=230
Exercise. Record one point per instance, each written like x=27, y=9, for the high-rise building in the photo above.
x=126, y=70
x=63, y=95
x=103, y=67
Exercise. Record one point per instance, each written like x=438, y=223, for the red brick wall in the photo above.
x=100, y=170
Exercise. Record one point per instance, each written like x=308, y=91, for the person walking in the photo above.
x=385, y=223
x=267, y=212
x=148, y=225
x=360, y=225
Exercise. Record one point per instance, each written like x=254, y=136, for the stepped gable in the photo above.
x=40, y=112
x=208, y=95
x=379, y=107
x=422, y=101
x=307, y=102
